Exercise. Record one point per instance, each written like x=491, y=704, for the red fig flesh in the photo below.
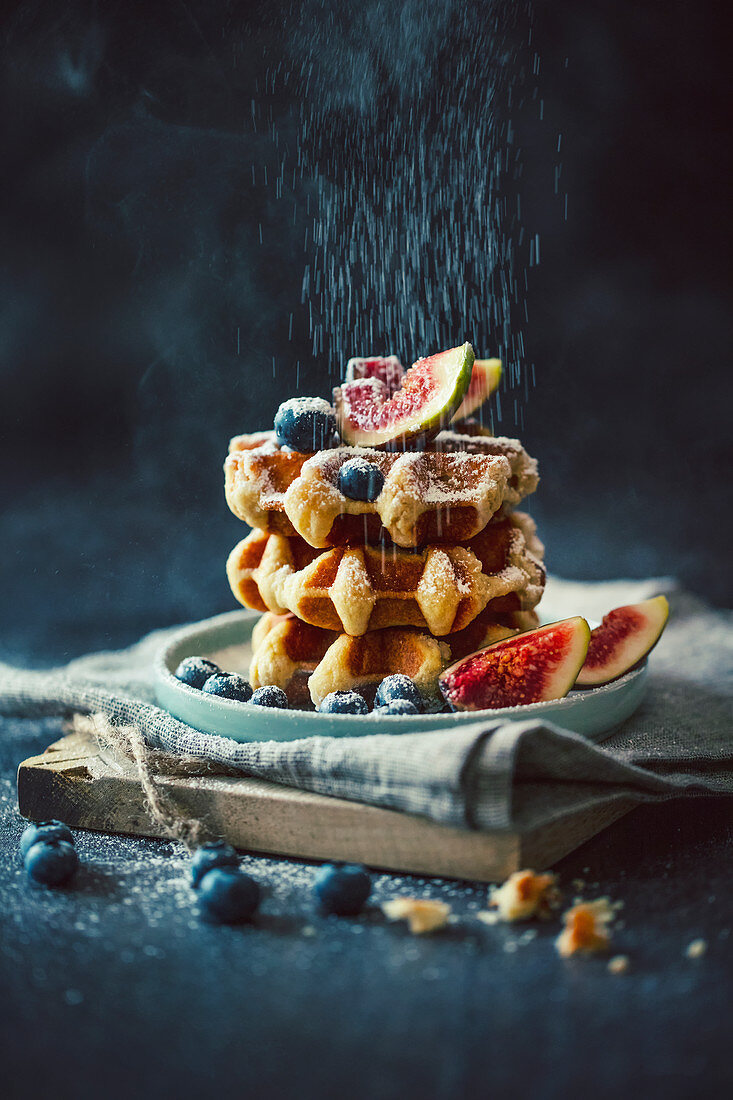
x=429, y=394
x=387, y=368
x=533, y=667
x=624, y=637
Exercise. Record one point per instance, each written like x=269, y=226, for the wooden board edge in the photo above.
x=261, y=817
x=543, y=847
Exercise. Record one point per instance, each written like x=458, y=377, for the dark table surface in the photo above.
x=115, y=986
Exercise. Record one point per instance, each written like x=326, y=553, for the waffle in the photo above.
x=439, y=588
x=446, y=493
x=285, y=652
x=308, y=663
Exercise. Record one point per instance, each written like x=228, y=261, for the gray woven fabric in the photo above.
x=489, y=775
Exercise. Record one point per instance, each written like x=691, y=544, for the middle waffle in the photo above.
x=359, y=589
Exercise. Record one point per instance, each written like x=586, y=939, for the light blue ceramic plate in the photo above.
x=226, y=640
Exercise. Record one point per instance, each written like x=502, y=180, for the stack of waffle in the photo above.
x=437, y=566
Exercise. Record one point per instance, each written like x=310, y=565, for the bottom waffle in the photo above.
x=308, y=662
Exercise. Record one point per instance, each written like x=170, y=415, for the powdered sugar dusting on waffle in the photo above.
x=445, y=482
x=433, y=494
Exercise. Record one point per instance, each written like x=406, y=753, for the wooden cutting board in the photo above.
x=72, y=782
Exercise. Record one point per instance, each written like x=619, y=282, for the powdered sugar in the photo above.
x=308, y=405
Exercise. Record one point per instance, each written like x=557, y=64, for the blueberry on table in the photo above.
x=217, y=853
x=306, y=424
x=359, y=479
x=195, y=671
x=397, y=706
x=44, y=830
x=342, y=889
x=343, y=702
x=51, y=862
x=397, y=686
x=228, y=685
x=227, y=896
x=270, y=696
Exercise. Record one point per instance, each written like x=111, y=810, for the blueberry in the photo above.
x=270, y=696
x=342, y=889
x=44, y=830
x=397, y=686
x=360, y=480
x=228, y=685
x=215, y=854
x=397, y=706
x=195, y=671
x=51, y=862
x=343, y=702
x=227, y=896
x=306, y=424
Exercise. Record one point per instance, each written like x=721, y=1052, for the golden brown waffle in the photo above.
x=292, y=654
x=285, y=652
x=362, y=663
x=439, y=589
x=308, y=663
x=446, y=493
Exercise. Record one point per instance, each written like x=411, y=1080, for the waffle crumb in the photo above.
x=525, y=895
x=696, y=949
x=586, y=928
x=421, y=914
x=619, y=964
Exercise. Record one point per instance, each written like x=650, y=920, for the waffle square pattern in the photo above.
x=358, y=589
x=444, y=494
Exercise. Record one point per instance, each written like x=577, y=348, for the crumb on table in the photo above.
x=619, y=964
x=586, y=928
x=422, y=914
x=525, y=895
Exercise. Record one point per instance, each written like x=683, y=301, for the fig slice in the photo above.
x=485, y=378
x=624, y=638
x=533, y=667
x=387, y=368
x=431, y=391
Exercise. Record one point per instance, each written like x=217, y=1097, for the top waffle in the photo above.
x=447, y=493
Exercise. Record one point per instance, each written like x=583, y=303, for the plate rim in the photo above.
x=163, y=673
